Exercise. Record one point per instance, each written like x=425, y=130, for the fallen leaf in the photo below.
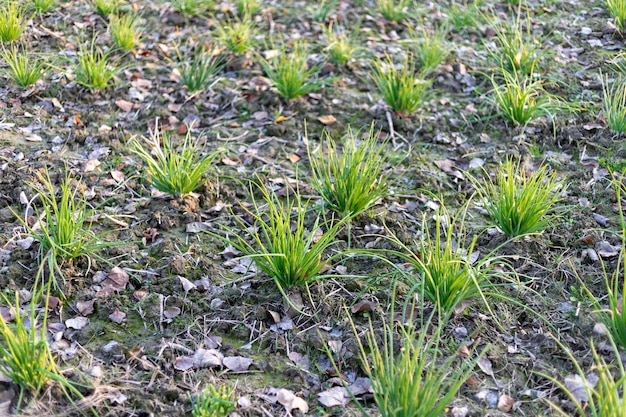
x=237, y=363
x=577, y=387
x=327, y=120
x=124, y=105
x=116, y=279
x=85, y=308
x=183, y=363
x=293, y=158
x=77, y=322
x=362, y=306
x=334, y=397
x=204, y=358
x=117, y=316
x=290, y=401
x=485, y=365
x=186, y=284
x=505, y=403
x=171, y=312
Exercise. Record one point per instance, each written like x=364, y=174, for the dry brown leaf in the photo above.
x=505, y=403
x=362, y=306
x=237, y=363
x=327, y=120
x=85, y=308
x=334, y=397
x=124, y=105
x=117, y=316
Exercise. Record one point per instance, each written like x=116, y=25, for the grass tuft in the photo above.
x=175, y=170
x=399, y=85
x=12, y=20
x=123, y=29
x=248, y=7
x=617, y=10
x=352, y=180
x=341, y=46
x=42, y=6
x=237, y=36
x=614, y=104
x=394, y=10
x=93, y=68
x=519, y=203
x=199, y=72
x=108, y=7
x=429, y=49
x=290, y=72
x=23, y=68
x=282, y=246
x=192, y=7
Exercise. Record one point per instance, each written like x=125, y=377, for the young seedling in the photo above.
x=43, y=6
x=341, y=47
x=520, y=99
x=282, y=246
x=320, y=9
x=394, y=10
x=290, y=73
x=248, y=7
x=108, y=7
x=410, y=378
x=617, y=10
x=12, y=20
x=213, y=402
x=352, y=180
x=23, y=68
x=237, y=36
x=123, y=30
x=443, y=271
x=464, y=16
x=62, y=230
x=93, y=68
x=199, y=72
x=519, y=203
x=599, y=393
x=175, y=170
x=429, y=49
x=516, y=51
x=614, y=104
x=192, y=7
x=400, y=87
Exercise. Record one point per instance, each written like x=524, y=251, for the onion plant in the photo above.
x=401, y=88
x=519, y=203
x=341, y=46
x=516, y=50
x=13, y=20
x=352, y=180
x=290, y=73
x=192, y=7
x=24, y=68
x=175, y=170
x=614, y=104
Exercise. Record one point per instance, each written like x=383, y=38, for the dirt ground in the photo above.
x=189, y=296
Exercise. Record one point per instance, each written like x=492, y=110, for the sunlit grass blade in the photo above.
x=192, y=7
x=617, y=10
x=175, y=170
x=351, y=180
x=394, y=10
x=237, y=35
x=248, y=7
x=429, y=49
x=43, y=6
x=199, y=72
x=108, y=7
x=614, y=104
x=213, y=402
x=94, y=68
x=341, y=46
x=320, y=9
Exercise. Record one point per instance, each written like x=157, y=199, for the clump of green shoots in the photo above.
x=175, y=170
x=341, y=46
x=410, y=378
x=429, y=49
x=464, y=16
x=401, y=88
x=617, y=10
x=352, y=180
x=516, y=50
x=63, y=230
x=237, y=36
x=282, y=246
x=192, y=7
x=199, y=72
x=522, y=99
x=320, y=9
x=93, y=68
x=248, y=7
x=614, y=104
x=213, y=402
x=394, y=10
x=42, y=6
x=290, y=73
x=443, y=271
x=23, y=68
x=123, y=30
x=12, y=20
x=108, y=7
x=519, y=203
